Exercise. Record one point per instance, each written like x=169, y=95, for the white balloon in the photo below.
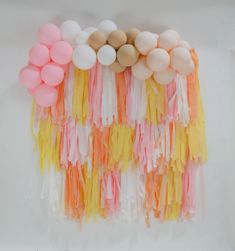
x=90, y=30
x=168, y=40
x=82, y=37
x=69, y=30
x=107, y=26
x=158, y=59
x=140, y=70
x=106, y=55
x=145, y=41
x=164, y=77
x=185, y=44
x=84, y=57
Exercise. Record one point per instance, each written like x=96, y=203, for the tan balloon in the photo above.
x=117, y=67
x=117, y=38
x=97, y=39
x=127, y=55
x=131, y=35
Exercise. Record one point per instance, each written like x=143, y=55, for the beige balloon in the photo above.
x=117, y=67
x=131, y=35
x=117, y=38
x=127, y=55
x=97, y=39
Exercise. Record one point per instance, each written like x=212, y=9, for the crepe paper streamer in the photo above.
x=118, y=144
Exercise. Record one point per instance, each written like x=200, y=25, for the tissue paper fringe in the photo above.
x=115, y=146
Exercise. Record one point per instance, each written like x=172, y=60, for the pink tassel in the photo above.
x=95, y=94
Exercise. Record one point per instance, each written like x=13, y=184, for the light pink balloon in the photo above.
x=48, y=34
x=39, y=55
x=52, y=74
x=61, y=52
x=30, y=76
x=45, y=95
x=32, y=91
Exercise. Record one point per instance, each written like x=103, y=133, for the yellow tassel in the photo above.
x=121, y=145
x=80, y=96
x=156, y=108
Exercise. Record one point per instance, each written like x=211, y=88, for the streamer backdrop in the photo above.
x=117, y=120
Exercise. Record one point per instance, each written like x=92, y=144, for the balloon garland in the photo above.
x=117, y=120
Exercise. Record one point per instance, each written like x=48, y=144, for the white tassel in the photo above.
x=83, y=142
x=182, y=101
x=109, y=97
x=53, y=191
x=68, y=91
x=138, y=100
x=132, y=194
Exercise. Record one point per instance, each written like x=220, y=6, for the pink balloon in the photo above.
x=48, y=34
x=52, y=74
x=45, y=95
x=32, y=91
x=39, y=55
x=30, y=76
x=61, y=52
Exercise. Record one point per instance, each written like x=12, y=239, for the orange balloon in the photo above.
x=97, y=39
x=117, y=38
x=127, y=55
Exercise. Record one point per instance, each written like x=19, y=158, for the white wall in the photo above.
x=24, y=220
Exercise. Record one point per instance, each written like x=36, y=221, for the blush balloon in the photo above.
x=165, y=77
x=140, y=70
x=48, y=34
x=61, y=52
x=158, y=59
x=185, y=44
x=45, y=95
x=30, y=77
x=39, y=55
x=52, y=74
x=145, y=41
x=168, y=40
x=179, y=56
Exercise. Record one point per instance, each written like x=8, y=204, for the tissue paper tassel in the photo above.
x=116, y=147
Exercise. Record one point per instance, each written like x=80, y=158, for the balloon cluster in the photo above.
x=148, y=54
x=48, y=60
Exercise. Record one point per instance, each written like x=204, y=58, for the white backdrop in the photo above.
x=25, y=224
